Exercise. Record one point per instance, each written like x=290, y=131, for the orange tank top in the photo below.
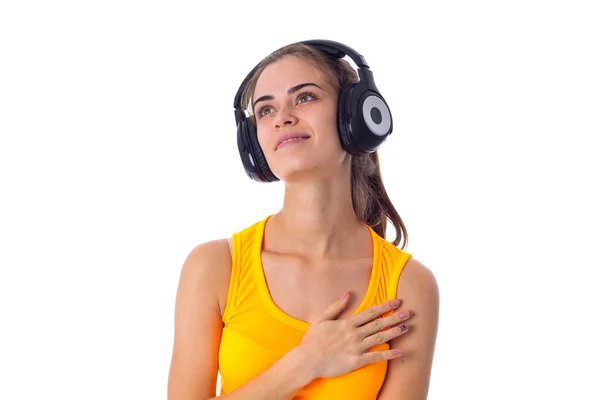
x=256, y=333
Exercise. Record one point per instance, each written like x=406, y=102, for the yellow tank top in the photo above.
x=256, y=333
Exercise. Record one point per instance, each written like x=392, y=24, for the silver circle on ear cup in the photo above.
x=379, y=120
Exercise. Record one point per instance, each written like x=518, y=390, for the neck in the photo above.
x=317, y=218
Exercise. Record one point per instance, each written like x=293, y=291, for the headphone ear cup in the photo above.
x=365, y=131
x=376, y=116
x=344, y=113
x=245, y=151
x=263, y=171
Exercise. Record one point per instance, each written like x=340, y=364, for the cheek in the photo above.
x=332, y=120
x=329, y=128
x=264, y=135
x=324, y=121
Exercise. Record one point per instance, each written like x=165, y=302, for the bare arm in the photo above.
x=194, y=362
x=407, y=378
x=198, y=327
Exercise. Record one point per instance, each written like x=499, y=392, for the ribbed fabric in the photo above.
x=257, y=333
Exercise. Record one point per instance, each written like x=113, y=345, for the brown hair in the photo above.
x=370, y=200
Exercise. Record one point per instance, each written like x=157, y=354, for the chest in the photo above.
x=304, y=291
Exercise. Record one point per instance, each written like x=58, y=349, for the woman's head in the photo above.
x=295, y=90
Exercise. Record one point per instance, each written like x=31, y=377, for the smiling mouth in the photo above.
x=291, y=141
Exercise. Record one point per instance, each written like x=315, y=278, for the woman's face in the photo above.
x=292, y=97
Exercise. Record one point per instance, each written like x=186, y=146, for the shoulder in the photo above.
x=418, y=288
x=208, y=254
x=417, y=279
x=208, y=265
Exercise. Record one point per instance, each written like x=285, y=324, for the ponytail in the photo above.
x=370, y=199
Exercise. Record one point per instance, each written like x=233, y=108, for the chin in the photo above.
x=301, y=169
x=301, y=161
x=295, y=170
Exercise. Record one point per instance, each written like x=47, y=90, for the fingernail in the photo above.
x=395, y=303
x=343, y=296
x=404, y=314
x=403, y=328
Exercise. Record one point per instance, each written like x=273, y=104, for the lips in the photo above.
x=294, y=135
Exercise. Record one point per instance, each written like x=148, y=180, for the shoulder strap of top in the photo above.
x=396, y=261
x=241, y=251
x=236, y=239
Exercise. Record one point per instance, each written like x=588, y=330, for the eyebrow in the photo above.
x=290, y=91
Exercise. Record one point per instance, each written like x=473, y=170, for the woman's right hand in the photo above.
x=336, y=347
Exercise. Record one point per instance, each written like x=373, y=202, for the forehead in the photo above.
x=289, y=71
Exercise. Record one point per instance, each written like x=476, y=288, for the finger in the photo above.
x=375, y=356
x=373, y=312
x=334, y=309
x=381, y=323
x=383, y=337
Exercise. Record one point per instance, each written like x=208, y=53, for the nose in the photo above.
x=284, y=118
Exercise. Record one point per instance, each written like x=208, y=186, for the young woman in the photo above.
x=260, y=307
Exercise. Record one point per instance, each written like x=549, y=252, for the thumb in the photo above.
x=335, y=308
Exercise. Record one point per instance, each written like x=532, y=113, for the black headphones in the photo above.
x=364, y=118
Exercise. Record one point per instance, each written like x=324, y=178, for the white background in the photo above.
x=118, y=156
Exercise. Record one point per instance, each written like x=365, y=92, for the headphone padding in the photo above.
x=262, y=167
x=343, y=104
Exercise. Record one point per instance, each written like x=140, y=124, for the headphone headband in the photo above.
x=338, y=50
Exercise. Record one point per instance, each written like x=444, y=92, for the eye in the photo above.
x=306, y=96
x=264, y=110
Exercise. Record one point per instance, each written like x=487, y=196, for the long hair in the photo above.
x=370, y=200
